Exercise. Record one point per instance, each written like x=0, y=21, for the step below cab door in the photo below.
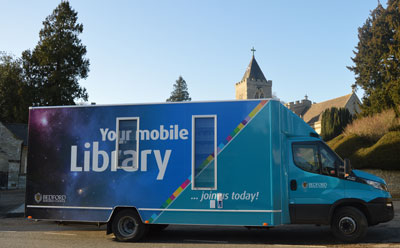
x=314, y=184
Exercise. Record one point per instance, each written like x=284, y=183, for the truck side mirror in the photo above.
x=347, y=167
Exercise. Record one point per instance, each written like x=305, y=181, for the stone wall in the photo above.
x=248, y=88
x=255, y=85
x=22, y=181
x=241, y=90
x=13, y=175
x=392, y=178
x=299, y=107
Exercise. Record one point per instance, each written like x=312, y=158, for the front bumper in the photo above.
x=380, y=210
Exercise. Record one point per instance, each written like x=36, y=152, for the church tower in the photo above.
x=253, y=85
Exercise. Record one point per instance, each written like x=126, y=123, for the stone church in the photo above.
x=254, y=85
x=312, y=112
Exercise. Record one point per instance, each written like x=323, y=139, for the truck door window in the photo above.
x=305, y=156
x=204, y=152
x=328, y=161
x=127, y=144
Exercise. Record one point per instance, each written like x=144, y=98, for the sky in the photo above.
x=138, y=49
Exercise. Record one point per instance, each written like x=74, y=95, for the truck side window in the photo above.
x=204, y=149
x=328, y=161
x=127, y=144
x=305, y=156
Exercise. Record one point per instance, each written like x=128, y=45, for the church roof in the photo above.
x=253, y=71
x=314, y=113
x=19, y=130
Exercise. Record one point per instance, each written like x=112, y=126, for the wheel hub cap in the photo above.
x=127, y=226
x=347, y=225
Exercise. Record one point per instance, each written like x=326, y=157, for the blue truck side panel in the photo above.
x=243, y=179
x=72, y=173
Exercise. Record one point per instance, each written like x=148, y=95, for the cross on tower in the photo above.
x=253, y=50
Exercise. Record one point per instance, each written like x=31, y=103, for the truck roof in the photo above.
x=150, y=103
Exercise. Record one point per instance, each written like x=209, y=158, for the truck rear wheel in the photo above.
x=349, y=224
x=127, y=226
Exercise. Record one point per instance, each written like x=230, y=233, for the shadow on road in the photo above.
x=289, y=235
x=10, y=199
x=25, y=225
x=285, y=235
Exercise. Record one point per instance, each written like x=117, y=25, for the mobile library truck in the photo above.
x=247, y=163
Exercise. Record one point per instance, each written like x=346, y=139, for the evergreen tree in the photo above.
x=377, y=59
x=334, y=121
x=13, y=104
x=180, y=92
x=54, y=67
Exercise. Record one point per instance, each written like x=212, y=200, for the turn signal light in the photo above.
x=29, y=217
x=265, y=224
x=147, y=222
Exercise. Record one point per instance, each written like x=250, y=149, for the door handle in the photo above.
x=293, y=185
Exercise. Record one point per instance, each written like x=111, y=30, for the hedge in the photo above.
x=384, y=154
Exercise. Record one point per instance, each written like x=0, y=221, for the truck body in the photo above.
x=247, y=163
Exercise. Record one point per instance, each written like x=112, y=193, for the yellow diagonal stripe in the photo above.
x=178, y=191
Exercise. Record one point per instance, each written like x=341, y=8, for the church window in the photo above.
x=259, y=94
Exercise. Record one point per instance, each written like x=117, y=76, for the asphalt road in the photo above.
x=19, y=232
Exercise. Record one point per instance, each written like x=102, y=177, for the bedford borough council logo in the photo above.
x=38, y=197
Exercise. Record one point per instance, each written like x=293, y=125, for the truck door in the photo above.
x=313, y=182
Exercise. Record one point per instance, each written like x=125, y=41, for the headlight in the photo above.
x=377, y=185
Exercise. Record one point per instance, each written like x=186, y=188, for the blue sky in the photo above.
x=137, y=49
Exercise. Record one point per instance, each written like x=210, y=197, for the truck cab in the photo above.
x=323, y=189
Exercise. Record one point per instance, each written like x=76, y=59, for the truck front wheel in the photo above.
x=127, y=226
x=349, y=224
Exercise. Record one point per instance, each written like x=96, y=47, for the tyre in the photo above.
x=127, y=226
x=349, y=224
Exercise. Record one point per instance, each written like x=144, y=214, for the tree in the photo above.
x=13, y=102
x=334, y=121
x=180, y=92
x=57, y=63
x=377, y=59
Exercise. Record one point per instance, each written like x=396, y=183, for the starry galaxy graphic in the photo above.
x=53, y=132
